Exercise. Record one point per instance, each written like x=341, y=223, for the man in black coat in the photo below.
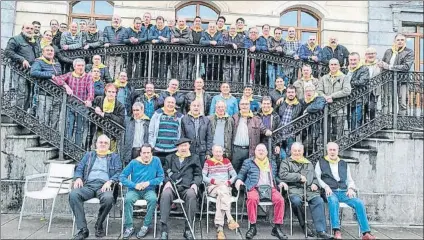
x=200, y=94
x=173, y=91
x=197, y=128
x=184, y=170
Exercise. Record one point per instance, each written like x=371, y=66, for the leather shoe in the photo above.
x=83, y=233
x=324, y=235
x=251, y=232
x=309, y=231
x=99, y=230
x=187, y=234
x=277, y=232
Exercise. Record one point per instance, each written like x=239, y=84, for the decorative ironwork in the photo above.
x=297, y=126
x=410, y=123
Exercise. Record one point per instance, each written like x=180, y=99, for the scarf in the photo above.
x=193, y=115
x=142, y=162
x=225, y=116
x=96, y=79
x=180, y=156
x=370, y=63
x=281, y=90
x=332, y=161
x=307, y=79
x=311, y=99
x=278, y=39
x=356, y=68
x=103, y=153
x=288, y=39
x=248, y=99
x=73, y=35
x=183, y=28
x=337, y=74
x=135, y=30
x=267, y=113
x=169, y=113
x=249, y=114
x=148, y=98
x=263, y=165
x=108, y=106
x=332, y=46
x=212, y=35
x=116, y=28
x=232, y=35
x=220, y=29
x=395, y=49
x=142, y=117
x=292, y=102
x=93, y=32
x=76, y=75
x=100, y=66
x=171, y=92
x=44, y=42
x=226, y=98
x=118, y=84
x=50, y=62
x=301, y=160
x=240, y=30
x=197, y=29
x=217, y=162
x=312, y=48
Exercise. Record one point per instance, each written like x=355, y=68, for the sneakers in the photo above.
x=368, y=236
x=83, y=233
x=128, y=233
x=220, y=235
x=143, y=232
x=337, y=234
x=233, y=225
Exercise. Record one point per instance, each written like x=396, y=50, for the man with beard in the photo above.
x=37, y=27
x=23, y=49
x=337, y=51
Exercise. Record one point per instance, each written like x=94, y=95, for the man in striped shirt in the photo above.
x=218, y=173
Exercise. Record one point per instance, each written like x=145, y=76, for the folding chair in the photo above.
x=59, y=182
x=139, y=203
x=210, y=199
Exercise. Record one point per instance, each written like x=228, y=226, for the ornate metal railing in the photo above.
x=51, y=121
x=380, y=108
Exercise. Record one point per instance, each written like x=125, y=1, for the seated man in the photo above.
x=94, y=175
x=334, y=176
x=219, y=174
x=184, y=170
x=146, y=173
x=136, y=132
x=261, y=171
x=296, y=172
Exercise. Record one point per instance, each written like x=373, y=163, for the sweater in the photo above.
x=152, y=173
x=219, y=171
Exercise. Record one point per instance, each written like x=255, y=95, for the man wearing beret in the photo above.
x=182, y=168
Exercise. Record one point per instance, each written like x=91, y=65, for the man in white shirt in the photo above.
x=334, y=176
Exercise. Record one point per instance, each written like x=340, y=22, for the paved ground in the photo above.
x=36, y=228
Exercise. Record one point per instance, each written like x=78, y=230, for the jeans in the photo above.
x=339, y=196
x=131, y=197
x=47, y=110
x=356, y=116
x=274, y=71
x=73, y=117
x=23, y=91
x=316, y=205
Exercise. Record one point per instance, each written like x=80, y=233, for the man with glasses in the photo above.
x=255, y=44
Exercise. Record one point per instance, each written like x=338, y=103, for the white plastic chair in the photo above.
x=210, y=199
x=91, y=201
x=59, y=182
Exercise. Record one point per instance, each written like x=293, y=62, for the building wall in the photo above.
x=7, y=21
x=348, y=20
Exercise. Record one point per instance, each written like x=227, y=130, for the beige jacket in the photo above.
x=299, y=84
x=337, y=88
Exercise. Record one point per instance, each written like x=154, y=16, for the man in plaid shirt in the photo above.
x=80, y=85
x=291, y=48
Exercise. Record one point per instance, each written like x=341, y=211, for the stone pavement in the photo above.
x=36, y=228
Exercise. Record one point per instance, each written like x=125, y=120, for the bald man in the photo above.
x=23, y=49
x=71, y=39
x=173, y=91
x=337, y=51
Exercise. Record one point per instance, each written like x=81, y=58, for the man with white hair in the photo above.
x=23, y=49
x=72, y=39
x=333, y=175
x=335, y=50
x=94, y=176
x=136, y=132
x=80, y=85
x=114, y=35
x=298, y=171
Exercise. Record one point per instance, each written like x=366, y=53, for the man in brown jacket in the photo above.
x=247, y=134
x=399, y=58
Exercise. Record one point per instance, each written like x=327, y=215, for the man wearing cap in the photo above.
x=183, y=169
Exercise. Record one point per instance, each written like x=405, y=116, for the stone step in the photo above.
x=36, y=159
x=6, y=119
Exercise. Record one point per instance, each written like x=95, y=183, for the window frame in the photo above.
x=197, y=4
x=92, y=16
x=417, y=36
x=299, y=28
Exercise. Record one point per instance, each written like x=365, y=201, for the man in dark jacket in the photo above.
x=135, y=35
x=172, y=91
x=296, y=172
x=54, y=25
x=94, y=176
x=359, y=77
x=256, y=171
x=337, y=51
x=212, y=38
x=23, y=49
x=276, y=46
x=183, y=169
x=231, y=66
x=114, y=35
x=108, y=107
x=222, y=126
x=136, y=132
x=149, y=99
x=125, y=92
x=147, y=22
x=247, y=134
x=256, y=44
x=43, y=69
x=196, y=127
x=160, y=34
x=279, y=93
x=93, y=38
x=270, y=119
x=399, y=58
x=198, y=94
x=180, y=34
x=104, y=70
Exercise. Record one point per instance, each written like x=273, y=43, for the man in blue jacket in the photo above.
x=256, y=44
x=133, y=36
x=159, y=34
x=146, y=173
x=114, y=35
x=94, y=176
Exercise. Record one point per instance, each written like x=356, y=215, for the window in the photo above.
x=306, y=23
x=190, y=10
x=100, y=11
x=414, y=40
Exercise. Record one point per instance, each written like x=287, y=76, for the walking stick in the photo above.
x=305, y=204
x=179, y=200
